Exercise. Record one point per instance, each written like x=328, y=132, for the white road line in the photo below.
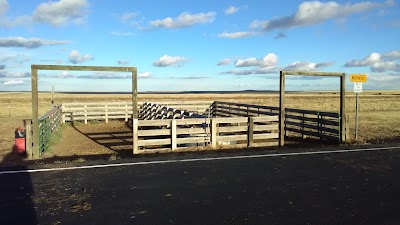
x=195, y=160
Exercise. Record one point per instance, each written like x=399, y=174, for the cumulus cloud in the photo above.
x=378, y=62
x=269, y=60
x=224, y=62
x=75, y=57
x=21, y=42
x=315, y=12
x=145, y=75
x=367, y=61
x=9, y=74
x=392, y=55
x=241, y=34
x=13, y=82
x=307, y=66
x=260, y=70
x=61, y=12
x=184, y=20
x=231, y=10
x=166, y=60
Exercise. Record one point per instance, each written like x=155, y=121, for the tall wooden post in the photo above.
x=134, y=94
x=282, y=109
x=342, y=107
x=35, y=113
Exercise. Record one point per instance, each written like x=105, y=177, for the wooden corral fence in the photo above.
x=173, y=134
x=153, y=111
x=322, y=125
x=96, y=111
x=48, y=124
x=199, y=107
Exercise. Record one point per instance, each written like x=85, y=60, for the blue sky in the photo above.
x=199, y=45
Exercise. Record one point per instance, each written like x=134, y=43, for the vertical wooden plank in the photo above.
x=214, y=132
x=52, y=95
x=173, y=135
x=85, y=109
x=126, y=112
x=282, y=109
x=250, y=132
x=28, y=140
x=134, y=95
x=35, y=113
x=342, y=107
x=135, y=123
x=347, y=127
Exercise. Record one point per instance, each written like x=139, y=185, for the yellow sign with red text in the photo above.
x=359, y=78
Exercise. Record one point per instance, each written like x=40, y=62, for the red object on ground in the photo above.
x=19, y=146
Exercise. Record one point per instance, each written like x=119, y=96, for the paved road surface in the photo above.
x=338, y=188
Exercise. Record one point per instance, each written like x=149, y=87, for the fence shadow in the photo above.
x=16, y=193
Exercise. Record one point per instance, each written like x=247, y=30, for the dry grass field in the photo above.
x=379, y=118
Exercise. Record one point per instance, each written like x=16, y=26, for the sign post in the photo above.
x=358, y=79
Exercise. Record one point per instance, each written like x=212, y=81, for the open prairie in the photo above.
x=379, y=115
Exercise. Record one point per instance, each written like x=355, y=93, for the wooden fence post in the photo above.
x=28, y=139
x=85, y=110
x=250, y=132
x=126, y=112
x=135, y=123
x=213, y=132
x=173, y=135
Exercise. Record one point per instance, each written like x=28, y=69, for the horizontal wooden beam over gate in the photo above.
x=84, y=68
x=306, y=73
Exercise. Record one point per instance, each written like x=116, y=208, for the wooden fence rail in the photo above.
x=173, y=134
x=97, y=111
x=322, y=125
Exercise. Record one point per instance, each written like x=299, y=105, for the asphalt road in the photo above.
x=338, y=188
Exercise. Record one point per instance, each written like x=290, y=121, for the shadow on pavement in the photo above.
x=16, y=193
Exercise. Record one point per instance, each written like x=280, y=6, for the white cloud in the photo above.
x=315, y=12
x=145, y=75
x=61, y=12
x=21, y=42
x=392, y=55
x=184, y=20
x=241, y=34
x=166, y=60
x=3, y=7
x=13, y=82
x=75, y=57
x=224, y=62
x=379, y=62
x=260, y=70
x=307, y=66
x=385, y=66
x=231, y=10
x=269, y=60
x=367, y=61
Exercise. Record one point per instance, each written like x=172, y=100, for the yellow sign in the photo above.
x=358, y=78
